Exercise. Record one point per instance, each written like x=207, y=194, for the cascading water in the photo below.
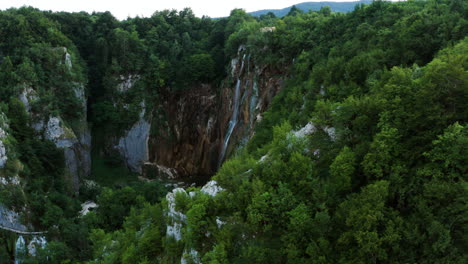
x=253, y=102
x=242, y=65
x=232, y=122
x=20, y=250
x=36, y=243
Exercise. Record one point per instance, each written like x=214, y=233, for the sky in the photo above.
x=125, y=8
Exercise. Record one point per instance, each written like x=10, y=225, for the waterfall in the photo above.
x=253, y=102
x=232, y=122
x=36, y=242
x=20, y=250
x=242, y=65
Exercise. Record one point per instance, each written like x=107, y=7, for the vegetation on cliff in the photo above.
x=361, y=158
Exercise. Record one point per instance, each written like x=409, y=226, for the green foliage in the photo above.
x=140, y=241
x=8, y=79
x=380, y=179
x=113, y=206
x=200, y=68
x=342, y=170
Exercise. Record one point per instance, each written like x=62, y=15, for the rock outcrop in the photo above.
x=134, y=145
x=3, y=154
x=10, y=220
x=76, y=147
x=190, y=132
x=3, y=136
x=176, y=219
x=75, y=141
x=199, y=127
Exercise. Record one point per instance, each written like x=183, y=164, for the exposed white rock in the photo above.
x=62, y=137
x=87, y=207
x=3, y=153
x=160, y=171
x=27, y=96
x=263, y=158
x=176, y=218
x=322, y=90
x=259, y=118
x=306, y=130
x=3, y=133
x=211, y=188
x=175, y=185
x=15, y=180
x=77, y=151
x=190, y=257
x=10, y=219
x=219, y=222
x=168, y=172
x=36, y=242
x=267, y=29
x=54, y=130
x=90, y=184
x=134, y=145
x=175, y=231
x=331, y=132
x=127, y=82
x=68, y=61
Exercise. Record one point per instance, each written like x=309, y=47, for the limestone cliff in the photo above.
x=204, y=124
x=191, y=132
x=74, y=140
x=3, y=151
x=133, y=146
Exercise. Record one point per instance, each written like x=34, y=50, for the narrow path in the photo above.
x=10, y=221
x=21, y=232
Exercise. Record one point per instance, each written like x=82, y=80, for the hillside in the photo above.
x=318, y=137
x=315, y=6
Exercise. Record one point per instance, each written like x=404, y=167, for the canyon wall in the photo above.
x=74, y=137
x=194, y=130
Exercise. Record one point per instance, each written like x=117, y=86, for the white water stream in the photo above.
x=232, y=122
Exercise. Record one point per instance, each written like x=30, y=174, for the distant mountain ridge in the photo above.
x=306, y=6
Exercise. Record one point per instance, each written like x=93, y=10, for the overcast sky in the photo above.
x=124, y=8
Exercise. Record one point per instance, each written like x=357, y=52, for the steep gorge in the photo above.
x=201, y=125
x=354, y=127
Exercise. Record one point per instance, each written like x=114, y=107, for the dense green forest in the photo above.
x=361, y=157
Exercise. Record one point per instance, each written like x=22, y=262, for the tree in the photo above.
x=8, y=79
x=294, y=11
x=200, y=68
x=371, y=229
x=342, y=171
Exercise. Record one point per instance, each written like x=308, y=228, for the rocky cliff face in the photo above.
x=133, y=146
x=187, y=138
x=76, y=147
x=191, y=132
x=3, y=153
x=75, y=141
x=205, y=124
